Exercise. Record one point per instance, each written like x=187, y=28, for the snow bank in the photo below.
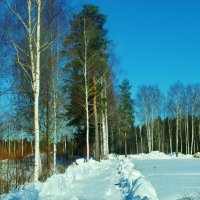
x=159, y=155
x=134, y=184
x=74, y=173
x=56, y=184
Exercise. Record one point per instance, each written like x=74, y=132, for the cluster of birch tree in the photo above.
x=169, y=123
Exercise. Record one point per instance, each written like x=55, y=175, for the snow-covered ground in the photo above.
x=173, y=178
x=140, y=177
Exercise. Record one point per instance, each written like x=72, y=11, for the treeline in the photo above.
x=168, y=123
x=58, y=80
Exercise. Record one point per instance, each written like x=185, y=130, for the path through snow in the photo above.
x=113, y=179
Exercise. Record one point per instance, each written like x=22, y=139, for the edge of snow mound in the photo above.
x=55, y=184
x=134, y=184
x=59, y=183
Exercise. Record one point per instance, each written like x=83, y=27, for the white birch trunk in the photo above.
x=86, y=93
x=34, y=53
x=170, y=136
x=136, y=139
x=55, y=89
x=192, y=139
x=141, y=150
x=104, y=133
x=55, y=131
x=36, y=87
x=180, y=132
x=152, y=127
x=106, y=121
x=106, y=127
x=177, y=134
x=55, y=86
x=188, y=141
x=65, y=143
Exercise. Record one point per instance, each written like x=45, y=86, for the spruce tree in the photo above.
x=126, y=111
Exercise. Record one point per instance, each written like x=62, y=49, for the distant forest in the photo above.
x=60, y=97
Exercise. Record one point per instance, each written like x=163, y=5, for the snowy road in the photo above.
x=113, y=179
x=100, y=183
x=143, y=177
x=172, y=179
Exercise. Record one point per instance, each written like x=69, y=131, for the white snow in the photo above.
x=172, y=179
x=139, y=177
x=159, y=155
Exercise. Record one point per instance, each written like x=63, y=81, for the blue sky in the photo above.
x=156, y=41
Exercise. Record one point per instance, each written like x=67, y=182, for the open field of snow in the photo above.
x=172, y=179
x=140, y=177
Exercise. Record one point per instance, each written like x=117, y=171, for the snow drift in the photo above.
x=134, y=184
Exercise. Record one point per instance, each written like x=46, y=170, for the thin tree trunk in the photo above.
x=181, y=138
x=106, y=121
x=32, y=147
x=104, y=133
x=188, y=138
x=112, y=142
x=36, y=83
x=170, y=136
x=125, y=145
x=101, y=138
x=152, y=129
x=14, y=145
x=9, y=134
x=136, y=138
x=177, y=131
x=141, y=141
x=55, y=131
x=86, y=93
x=186, y=135
x=97, y=149
x=55, y=87
x=104, y=117
x=22, y=146
x=48, y=142
x=192, y=140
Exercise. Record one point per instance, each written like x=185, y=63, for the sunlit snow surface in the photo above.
x=140, y=177
x=173, y=178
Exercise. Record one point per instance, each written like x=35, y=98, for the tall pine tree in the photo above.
x=86, y=48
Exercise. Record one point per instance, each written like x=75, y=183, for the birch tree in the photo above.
x=176, y=94
x=148, y=103
x=193, y=96
x=32, y=27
